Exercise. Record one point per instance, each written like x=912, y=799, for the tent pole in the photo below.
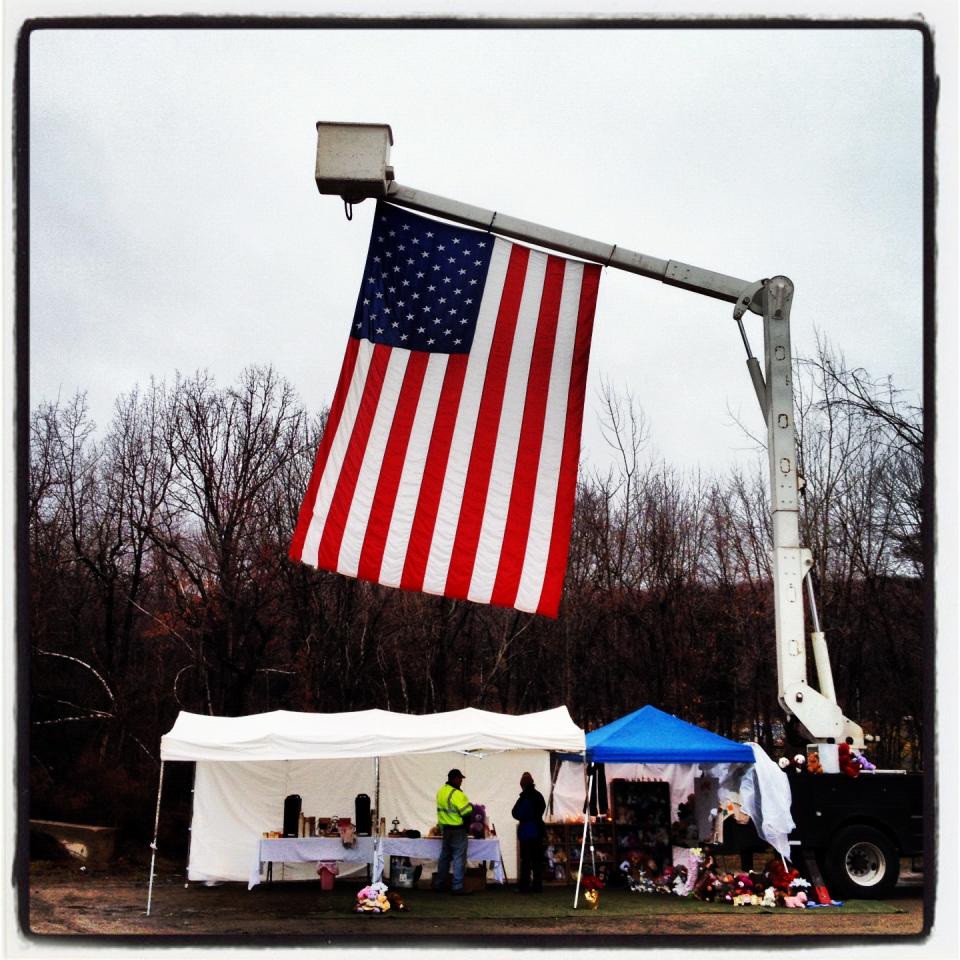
x=593, y=856
x=193, y=808
x=553, y=785
x=153, y=846
x=583, y=839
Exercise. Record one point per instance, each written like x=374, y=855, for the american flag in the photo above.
x=449, y=460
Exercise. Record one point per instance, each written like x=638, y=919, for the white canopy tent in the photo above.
x=245, y=766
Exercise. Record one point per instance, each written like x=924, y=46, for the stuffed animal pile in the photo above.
x=697, y=873
x=851, y=762
x=640, y=875
x=744, y=892
x=372, y=899
x=774, y=886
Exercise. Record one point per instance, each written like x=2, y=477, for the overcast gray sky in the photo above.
x=175, y=223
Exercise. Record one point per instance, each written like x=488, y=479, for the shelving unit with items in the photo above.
x=641, y=822
x=562, y=849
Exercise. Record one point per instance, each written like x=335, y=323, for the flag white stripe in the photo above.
x=338, y=449
x=359, y=513
x=451, y=498
x=508, y=436
x=411, y=477
x=554, y=428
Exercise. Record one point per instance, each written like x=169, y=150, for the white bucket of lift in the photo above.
x=829, y=757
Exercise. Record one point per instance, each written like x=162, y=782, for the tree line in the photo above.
x=159, y=582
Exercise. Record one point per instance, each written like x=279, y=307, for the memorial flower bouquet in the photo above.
x=591, y=890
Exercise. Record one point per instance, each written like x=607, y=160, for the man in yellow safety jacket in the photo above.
x=453, y=808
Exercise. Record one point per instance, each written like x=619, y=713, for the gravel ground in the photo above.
x=65, y=901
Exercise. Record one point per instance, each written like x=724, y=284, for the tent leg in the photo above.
x=583, y=839
x=593, y=854
x=553, y=784
x=153, y=846
x=193, y=808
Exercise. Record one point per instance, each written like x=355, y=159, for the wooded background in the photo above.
x=159, y=582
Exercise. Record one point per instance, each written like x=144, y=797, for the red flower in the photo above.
x=590, y=882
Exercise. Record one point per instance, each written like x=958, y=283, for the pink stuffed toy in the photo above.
x=797, y=900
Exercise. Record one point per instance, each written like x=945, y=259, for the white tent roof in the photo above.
x=285, y=735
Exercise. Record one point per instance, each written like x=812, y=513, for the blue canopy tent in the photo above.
x=649, y=735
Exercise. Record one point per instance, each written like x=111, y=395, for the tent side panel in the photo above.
x=569, y=791
x=409, y=784
x=232, y=804
x=235, y=802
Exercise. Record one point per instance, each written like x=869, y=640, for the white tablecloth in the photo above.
x=428, y=848
x=309, y=850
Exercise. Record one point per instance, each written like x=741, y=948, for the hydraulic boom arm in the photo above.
x=352, y=163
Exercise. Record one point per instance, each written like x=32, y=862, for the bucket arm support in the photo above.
x=816, y=711
x=819, y=715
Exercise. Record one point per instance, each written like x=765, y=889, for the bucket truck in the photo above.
x=857, y=829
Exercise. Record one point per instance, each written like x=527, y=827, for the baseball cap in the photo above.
x=455, y=773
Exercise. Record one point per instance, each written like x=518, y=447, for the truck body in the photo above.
x=857, y=829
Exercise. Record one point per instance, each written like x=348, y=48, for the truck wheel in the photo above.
x=861, y=864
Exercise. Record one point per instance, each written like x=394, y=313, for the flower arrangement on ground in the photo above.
x=591, y=890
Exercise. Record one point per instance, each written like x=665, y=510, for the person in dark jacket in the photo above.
x=528, y=811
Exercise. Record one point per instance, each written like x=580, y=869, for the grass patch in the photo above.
x=557, y=903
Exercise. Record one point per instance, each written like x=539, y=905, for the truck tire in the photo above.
x=861, y=864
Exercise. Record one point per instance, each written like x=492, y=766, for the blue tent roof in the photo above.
x=649, y=735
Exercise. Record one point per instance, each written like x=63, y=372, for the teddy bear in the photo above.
x=706, y=888
x=743, y=885
x=634, y=862
x=476, y=826
x=665, y=881
x=347, y=831
x=847, y=760
x=813, y=762
x=779, y=877
x=865, y=764
x=795, y=901
x=769, y=898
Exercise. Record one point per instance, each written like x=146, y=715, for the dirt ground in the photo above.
x=65, y=900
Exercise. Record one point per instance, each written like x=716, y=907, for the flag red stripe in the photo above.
x=381, y=512
x=569, y=463
x=431, y=486
x=524, y=485
x=329, y=551
x=474, y=499
x=323, y=449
